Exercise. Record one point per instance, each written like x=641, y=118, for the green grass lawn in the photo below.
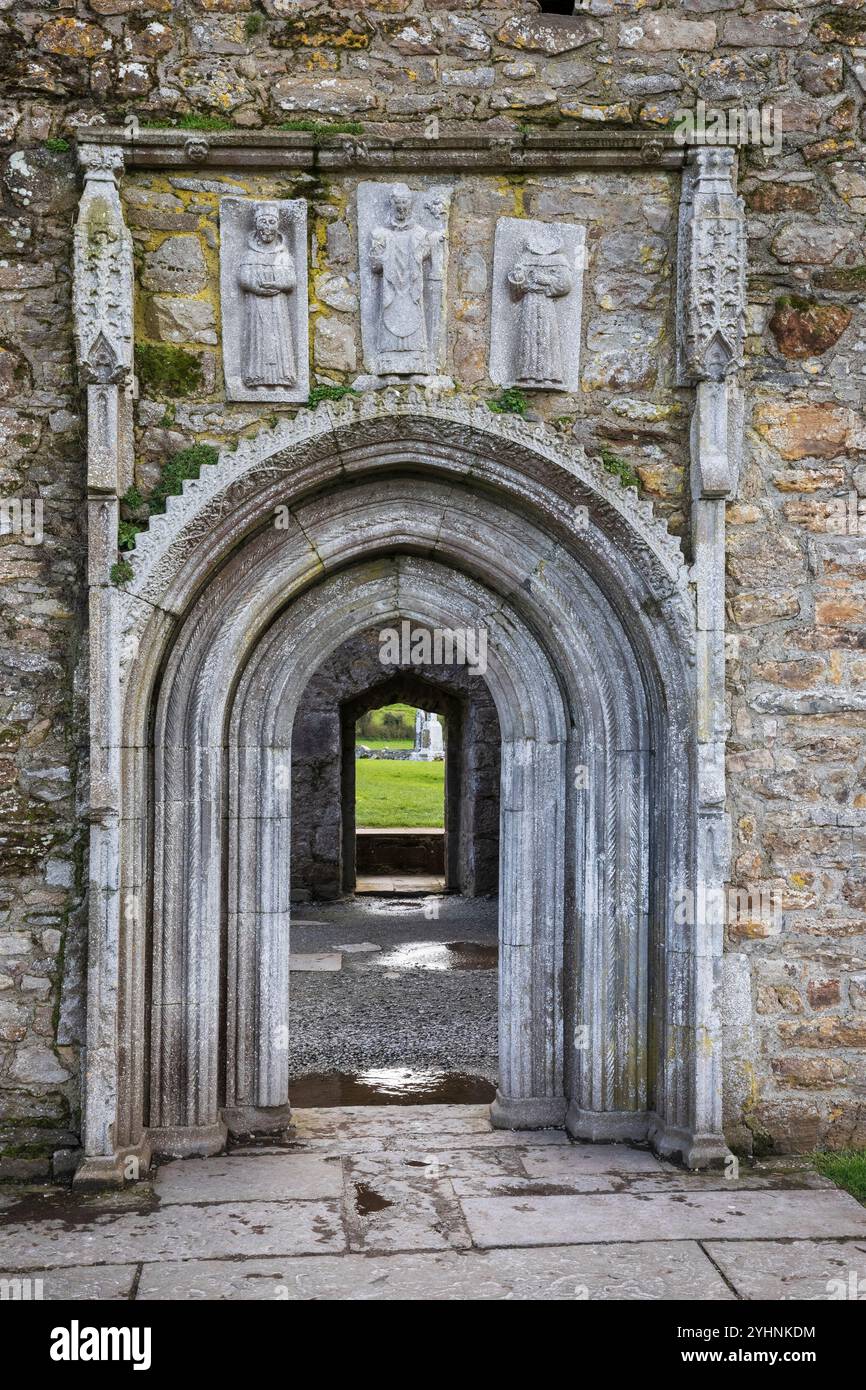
x=846, y=1169
x=398, y=793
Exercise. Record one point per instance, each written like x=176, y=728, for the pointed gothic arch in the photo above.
x=406, y=507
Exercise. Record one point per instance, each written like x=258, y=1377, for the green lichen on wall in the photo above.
x=328, y=393
x=167, y=370
x=509, y=402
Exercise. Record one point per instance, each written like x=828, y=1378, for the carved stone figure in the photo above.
x=267, y=276
x=403, y=256
x=401, y=253
x=540, y=275
x=536, y=308
x=263, y=274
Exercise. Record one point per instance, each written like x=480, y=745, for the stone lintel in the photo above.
x=400, y=149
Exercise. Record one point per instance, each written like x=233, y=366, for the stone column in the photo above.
x=710, y=315
x=102, y=301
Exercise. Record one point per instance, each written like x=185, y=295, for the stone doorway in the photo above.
x=607, y=1002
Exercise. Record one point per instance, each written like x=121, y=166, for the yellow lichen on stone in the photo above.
x=74, y=38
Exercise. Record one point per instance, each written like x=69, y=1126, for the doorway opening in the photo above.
x=394, y=986
x=400, y=762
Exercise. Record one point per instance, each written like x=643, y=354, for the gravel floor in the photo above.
x=398, y=1006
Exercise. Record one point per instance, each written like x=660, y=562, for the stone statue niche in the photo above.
x=403, y=255
x=536, y=310
x=263, y=286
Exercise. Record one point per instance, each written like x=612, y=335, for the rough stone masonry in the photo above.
x=795, y=992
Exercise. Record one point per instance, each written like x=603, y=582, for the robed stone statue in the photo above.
x=540, y=275
x=266, y=275
x=406, y=255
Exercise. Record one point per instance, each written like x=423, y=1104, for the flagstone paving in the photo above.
x=430, y=1203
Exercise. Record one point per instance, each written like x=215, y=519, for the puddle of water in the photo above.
x=367, y=1200
x=440, y=955
x=390, y=1086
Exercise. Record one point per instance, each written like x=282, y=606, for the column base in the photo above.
x=257, y=1119
x=187, y=1141
x=113, y=1170
x=527, y=1112
x=607, y=1126
x=684, y=1146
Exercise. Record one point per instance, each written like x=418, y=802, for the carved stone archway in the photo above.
x=406, y=507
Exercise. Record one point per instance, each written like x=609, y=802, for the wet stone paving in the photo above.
x=428, y=1202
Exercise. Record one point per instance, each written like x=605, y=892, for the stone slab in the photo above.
x=452, y=1164
x=222, y=1230
x=656, y=1270
x=265, y=1177
x=284, y=315
x=556, y=1220
x=316, y=960
x=353, y=948
x=573, y=1160
x=105, y=1283
x=533, y=327
x=799, y=1269
x=388, y=1213
x=429, y=212
x=391, y=1121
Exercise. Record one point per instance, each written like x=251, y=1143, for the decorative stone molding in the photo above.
x=548, y=150
x=103, y=285
x=536, y=304
x=711, y=308
x=712, y=268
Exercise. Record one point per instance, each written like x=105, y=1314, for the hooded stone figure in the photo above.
x=266, y=276
x=539, y=276
x=399, y=252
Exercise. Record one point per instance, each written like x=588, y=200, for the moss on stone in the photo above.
x=182, y=466
x=509, y=402
x=164, y=368
x=254, y=24
x=132, y=498
x=190, y=121
x=57, y=145
x=320, y=129
x=845, y=277
x=619, y=468
x=328, y=393
x=121, y=572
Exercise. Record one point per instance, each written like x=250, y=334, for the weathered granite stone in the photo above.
x=177, y=266
x=537, y=303
x=403, y=255
x=263, y=292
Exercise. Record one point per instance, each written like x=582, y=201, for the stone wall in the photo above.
x=317, y=831
x=797, y=531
